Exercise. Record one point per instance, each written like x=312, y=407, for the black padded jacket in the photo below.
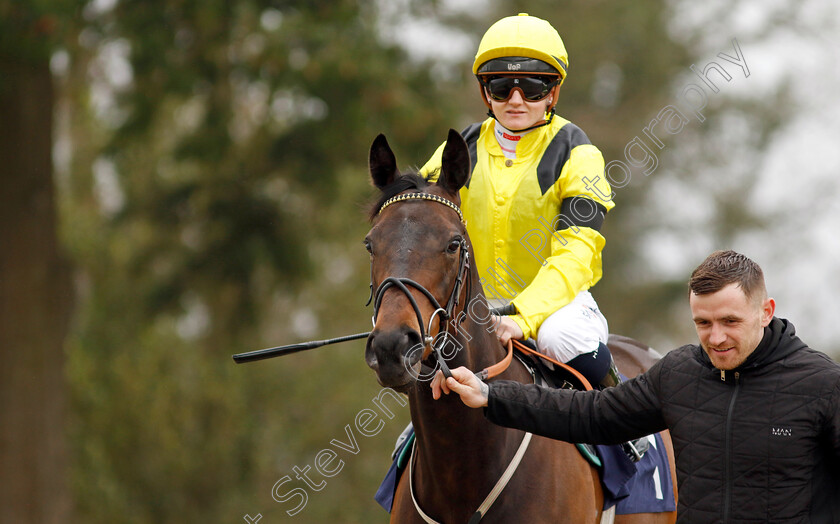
x=760, y=443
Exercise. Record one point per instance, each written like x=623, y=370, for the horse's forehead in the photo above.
x=413, y=220
x=417, y=215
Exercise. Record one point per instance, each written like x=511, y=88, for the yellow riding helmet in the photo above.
x=525, y=37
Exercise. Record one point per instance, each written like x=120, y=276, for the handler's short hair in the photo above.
x=722, y=268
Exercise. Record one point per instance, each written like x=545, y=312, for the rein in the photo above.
x=575, y=373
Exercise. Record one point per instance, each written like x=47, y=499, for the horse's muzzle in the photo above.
x=395, y=356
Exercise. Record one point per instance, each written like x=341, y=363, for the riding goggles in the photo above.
x=532, y=88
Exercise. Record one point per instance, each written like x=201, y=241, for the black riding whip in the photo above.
x=262, y=354
x=279, y=351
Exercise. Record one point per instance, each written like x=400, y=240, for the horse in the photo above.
x=428, y=315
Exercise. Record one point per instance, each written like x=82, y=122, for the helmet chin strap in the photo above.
x=545, y=122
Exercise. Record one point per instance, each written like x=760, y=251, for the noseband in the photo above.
x=402, y=284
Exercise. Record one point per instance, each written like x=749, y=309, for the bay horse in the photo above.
x=425, y=292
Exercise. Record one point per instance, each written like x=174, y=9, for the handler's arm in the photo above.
x=612, y=416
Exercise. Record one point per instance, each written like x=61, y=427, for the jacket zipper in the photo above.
x=727, y=475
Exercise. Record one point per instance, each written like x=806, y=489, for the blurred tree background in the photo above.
x=207, y=195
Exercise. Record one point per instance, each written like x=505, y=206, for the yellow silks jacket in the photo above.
x=534, y=221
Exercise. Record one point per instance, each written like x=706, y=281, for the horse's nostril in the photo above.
x=370, y=353
x=400, y=343
x=388, y=345
x=413, y=339
x=394, y=349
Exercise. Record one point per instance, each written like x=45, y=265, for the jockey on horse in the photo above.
x=535, y=203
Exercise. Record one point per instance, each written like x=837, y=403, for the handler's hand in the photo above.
x=507, y=329
x=473, y=392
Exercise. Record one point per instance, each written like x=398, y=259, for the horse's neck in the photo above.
x=451, y=436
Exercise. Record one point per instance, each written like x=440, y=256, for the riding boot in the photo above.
x=635, y=449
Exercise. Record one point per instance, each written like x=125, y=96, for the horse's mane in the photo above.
x=404, y=182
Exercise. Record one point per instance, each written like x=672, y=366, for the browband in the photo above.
x=423, y=196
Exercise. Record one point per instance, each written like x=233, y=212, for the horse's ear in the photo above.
x=455, y=163
x=383, y=164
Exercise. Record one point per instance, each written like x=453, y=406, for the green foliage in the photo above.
x=224, y=213
x=239, y=149
x=30, y=30
x=214, y=203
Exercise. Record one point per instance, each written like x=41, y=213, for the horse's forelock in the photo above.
x=404, y=182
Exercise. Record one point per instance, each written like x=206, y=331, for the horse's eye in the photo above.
x=453, y=246
x=367, y=246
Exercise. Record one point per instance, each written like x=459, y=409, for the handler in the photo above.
x=754, y=413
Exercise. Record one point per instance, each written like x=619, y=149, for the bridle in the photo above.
x=447, y=315
x=402, y=284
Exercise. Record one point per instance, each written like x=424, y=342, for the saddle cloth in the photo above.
x=640, y=487
x=637, y=487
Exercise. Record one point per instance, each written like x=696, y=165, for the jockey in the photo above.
x=536, y=201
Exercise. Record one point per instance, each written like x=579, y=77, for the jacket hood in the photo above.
x=778, y=342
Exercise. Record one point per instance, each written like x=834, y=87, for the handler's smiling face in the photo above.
x=729, y=324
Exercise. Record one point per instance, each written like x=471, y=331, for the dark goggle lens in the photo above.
x=533, y=88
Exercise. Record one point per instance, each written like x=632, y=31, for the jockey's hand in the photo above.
x=473, y=392
x=507, y=329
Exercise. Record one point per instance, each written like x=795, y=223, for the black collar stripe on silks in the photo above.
x=577, y=211
x=557, y=154
x=470, y=135
x=553, y=159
